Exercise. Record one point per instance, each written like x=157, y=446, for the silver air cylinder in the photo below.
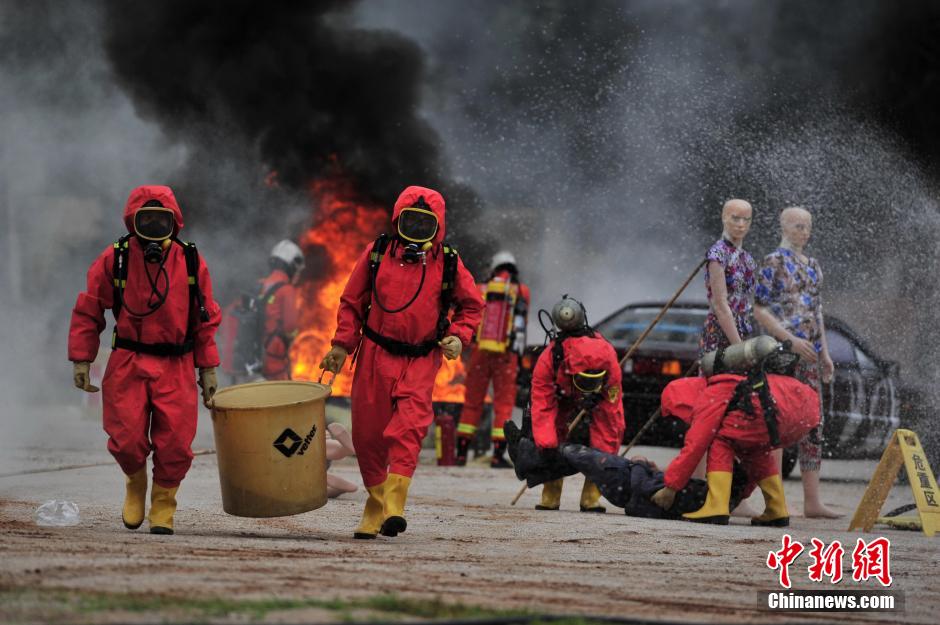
x=568, y=315
x=741, y=357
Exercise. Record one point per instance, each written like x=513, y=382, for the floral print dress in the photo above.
x=740, y=270
x=789, y=288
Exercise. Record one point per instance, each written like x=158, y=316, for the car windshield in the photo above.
x=676, y=326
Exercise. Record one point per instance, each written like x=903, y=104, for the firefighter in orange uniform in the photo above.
x=500, y=341
x=279, y=297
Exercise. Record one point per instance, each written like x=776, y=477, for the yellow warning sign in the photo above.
x=903, y=449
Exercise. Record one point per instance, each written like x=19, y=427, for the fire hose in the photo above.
x=636, y=344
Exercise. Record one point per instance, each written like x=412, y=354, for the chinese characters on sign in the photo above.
x=920, y=467
x=869, y=560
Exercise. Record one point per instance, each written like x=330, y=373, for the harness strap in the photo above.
x=154, y=349
x=741, y=400
x=448, y=281
x=399, y=348
x=119, y=274
x=192, y=272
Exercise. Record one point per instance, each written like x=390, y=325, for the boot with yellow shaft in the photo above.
x=591, y=498
x=373, y=514
x=162, y=509
x=396, y=494
x=551, y=495
x=135, y=498
x=775, y=504
x=715, y=510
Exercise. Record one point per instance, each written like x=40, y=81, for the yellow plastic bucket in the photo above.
x=270, y=438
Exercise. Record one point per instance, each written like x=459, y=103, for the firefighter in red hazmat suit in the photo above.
x=500, y=340
x=279, y=297
x=733, y=415
x=394, y=311
x=577, y=370
x=160, y=293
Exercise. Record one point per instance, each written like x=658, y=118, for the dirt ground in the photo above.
x=465, y=545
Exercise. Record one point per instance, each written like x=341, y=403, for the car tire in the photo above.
x=790, y=455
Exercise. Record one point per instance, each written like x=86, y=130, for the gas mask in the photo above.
x=417, y=227
x=154, y=226
x=589, y=382
x=589, y=385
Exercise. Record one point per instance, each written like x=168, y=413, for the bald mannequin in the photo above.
x=796, y=226
x=736, y=218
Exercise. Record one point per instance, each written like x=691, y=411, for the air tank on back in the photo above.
x=740, y=357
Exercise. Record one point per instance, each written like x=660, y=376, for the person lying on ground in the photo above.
x=631, y=483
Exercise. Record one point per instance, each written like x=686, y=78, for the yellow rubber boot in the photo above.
x=162, y=509
x=551, y=495
x=396, y=494
x=775, y=504
x=715, y=510
x=373, y=514
x=591, y=498
x=135, y=498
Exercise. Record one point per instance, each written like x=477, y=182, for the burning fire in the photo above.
x=343, y=227
x=449, y=383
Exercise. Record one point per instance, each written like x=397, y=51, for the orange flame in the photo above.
x=449, y=383
x=343, y=228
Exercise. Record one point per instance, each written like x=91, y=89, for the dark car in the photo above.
x=861, y=404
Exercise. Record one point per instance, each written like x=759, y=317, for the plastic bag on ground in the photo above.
x=56, y=513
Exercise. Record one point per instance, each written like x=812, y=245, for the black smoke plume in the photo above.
x=291, y=88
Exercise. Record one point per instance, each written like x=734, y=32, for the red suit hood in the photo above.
x=586, y=353
x=433, y=199
x=164, y=195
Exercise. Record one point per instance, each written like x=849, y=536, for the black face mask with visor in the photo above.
x=417, y=227
x=154, y=226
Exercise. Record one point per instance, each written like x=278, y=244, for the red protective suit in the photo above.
x=391, y=395
x=550, y=414
x=280, y=325
x=502, y=369
x=149, y=401
x=703, y=402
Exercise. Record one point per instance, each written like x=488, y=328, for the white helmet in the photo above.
x=288, y=252
x=501, y=258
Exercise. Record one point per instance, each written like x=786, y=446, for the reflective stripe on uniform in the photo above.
x=466, y=428
x=497, y=434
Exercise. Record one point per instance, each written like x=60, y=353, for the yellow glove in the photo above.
x=451, y=346
x=209, y=385
x=82, y=378
x=664, y=497
x=334, y=359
